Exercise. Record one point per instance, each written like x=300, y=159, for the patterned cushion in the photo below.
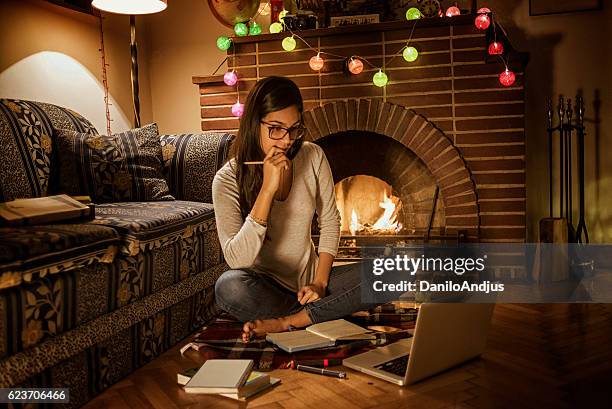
x=162, y=243
x=191, y=161
x=26, y=136
x=55, y=247
x=122, y=167
x=145, y=221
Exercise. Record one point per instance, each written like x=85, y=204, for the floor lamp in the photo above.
x=132, y=8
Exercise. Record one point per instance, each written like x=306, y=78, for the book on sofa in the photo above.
x=319, y=335
x=40, y=210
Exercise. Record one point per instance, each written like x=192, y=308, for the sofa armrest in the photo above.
x=191, y=161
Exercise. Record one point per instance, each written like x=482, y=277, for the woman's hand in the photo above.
x=311, y=292
x=274, y=164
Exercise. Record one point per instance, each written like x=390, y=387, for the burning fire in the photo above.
x=387, y=223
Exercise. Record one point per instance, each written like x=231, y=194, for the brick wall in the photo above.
x=452, y=86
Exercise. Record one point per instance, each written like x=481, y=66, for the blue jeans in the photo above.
x=248, y=296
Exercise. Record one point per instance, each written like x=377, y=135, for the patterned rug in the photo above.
x=221, y=339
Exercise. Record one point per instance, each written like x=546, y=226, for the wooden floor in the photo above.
x=539, y=356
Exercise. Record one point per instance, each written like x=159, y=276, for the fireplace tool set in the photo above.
x=568, y=132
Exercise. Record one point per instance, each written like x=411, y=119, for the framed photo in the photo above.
x=545, y=7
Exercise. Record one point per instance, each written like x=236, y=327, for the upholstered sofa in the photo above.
x=83, y=304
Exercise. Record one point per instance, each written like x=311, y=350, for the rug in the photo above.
x=221, y=339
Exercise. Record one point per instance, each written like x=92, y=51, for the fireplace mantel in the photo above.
x=453, y=86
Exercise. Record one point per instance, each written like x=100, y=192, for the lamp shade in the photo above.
x=132, y=7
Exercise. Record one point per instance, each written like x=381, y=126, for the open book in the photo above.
x=319, y=335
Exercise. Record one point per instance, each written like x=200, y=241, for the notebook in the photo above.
x=255, y=383
x=220, y=376
x=319, y=335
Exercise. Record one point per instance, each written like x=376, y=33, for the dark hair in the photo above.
x=269, y=94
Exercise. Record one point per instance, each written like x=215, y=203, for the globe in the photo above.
x=230, y=12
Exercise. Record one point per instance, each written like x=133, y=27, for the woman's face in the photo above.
x=275, y=124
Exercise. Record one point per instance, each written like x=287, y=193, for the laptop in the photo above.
x=445, y=335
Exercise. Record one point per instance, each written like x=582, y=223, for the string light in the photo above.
x=410, y=54
x=507, y=78
x=281, y=16
x=254, y=28
x=238, y=109
x=355, y=66
x=413, y=13
x=380, y=79
x=316, y=62
x=276, y=28
x=496, y=48
x=241, y=29
x=224, y=43
x=230, y=78
x=289, y=43
x=453, y=11
x=482, y=21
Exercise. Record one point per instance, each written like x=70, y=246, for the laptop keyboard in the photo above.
x=395, y=366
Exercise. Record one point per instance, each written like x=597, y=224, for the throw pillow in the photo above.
x=118, y=168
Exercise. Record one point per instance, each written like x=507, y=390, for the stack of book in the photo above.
x=232, y=378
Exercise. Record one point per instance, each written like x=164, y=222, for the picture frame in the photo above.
x=548, y=7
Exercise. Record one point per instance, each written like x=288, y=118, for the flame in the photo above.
x=385, y=223
x=355, y=225
x=388, y=220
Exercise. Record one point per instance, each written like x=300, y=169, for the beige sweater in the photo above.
x=289, y=256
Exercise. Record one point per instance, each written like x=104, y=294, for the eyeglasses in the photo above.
x=277, y=132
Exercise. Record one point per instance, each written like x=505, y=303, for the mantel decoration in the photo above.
x=354, y=64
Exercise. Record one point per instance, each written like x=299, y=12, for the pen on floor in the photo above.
x=322, y=371
x=319, y=363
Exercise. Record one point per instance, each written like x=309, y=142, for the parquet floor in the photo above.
x=538, y=356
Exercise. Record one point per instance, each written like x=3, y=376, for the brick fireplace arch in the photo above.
x=415, y=132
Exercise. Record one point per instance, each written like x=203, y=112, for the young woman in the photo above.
x=264, y=215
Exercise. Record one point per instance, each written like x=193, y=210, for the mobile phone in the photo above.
x=295, y=148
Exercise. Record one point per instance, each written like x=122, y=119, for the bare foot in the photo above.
x=262, y=327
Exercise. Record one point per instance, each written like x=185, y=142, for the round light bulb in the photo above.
x=254, y=28
x=281, y=16
x=410, y=54
x=316, y=62
x=241, y=29
x=238, y=109
x=452, y=11
x=413, y=13
x=289, y=43
x=380, y=79
x=483, y=10
x=496, y=48
x=224, y=43
x=230, y=78
x=355, y=66
x=507, y=78
x=482, y=21
x=276, y=28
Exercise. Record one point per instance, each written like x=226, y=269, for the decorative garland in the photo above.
x=355, y=63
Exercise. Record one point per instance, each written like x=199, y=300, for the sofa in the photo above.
x=85, y=303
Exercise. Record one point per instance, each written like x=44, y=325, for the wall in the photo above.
x=569, y=52
x=182, y=43
x=51, y=54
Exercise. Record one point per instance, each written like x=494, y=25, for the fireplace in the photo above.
x=441, y=146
